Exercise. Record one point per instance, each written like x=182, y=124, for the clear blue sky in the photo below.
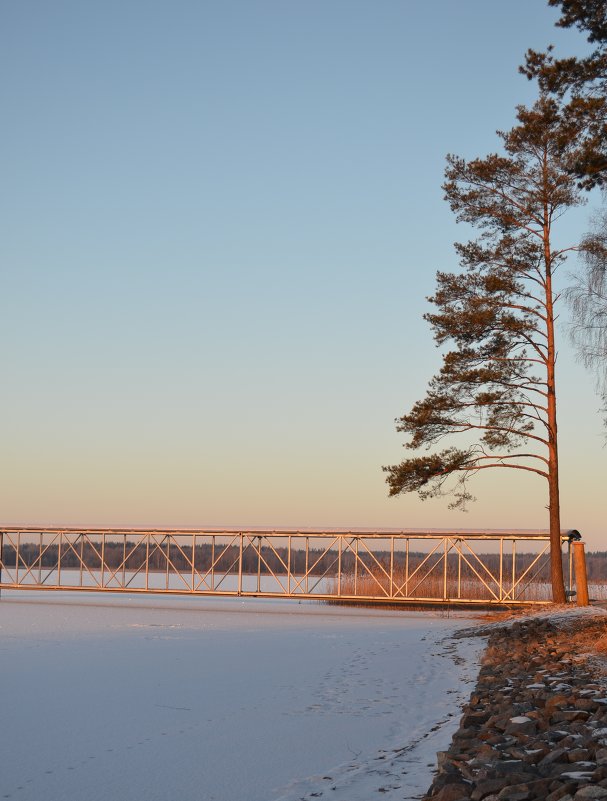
x=220, y=222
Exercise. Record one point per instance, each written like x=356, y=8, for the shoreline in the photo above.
x=535, y=726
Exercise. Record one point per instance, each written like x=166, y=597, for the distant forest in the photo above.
x=226, y=559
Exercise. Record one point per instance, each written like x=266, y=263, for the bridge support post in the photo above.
x=581, y=578
x=240, y=565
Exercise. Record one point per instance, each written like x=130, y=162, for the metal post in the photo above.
x=258, y=564
x=339, y=566
x=102, y=559
x=392, y=568
x=501, y=590
x=446, y=552
x=240, y=566
x=570, y=561
x=459, y=570
x=59, y=559
x=513, y=566
x=213, y=563
x=168, y=544
x=193, y=554
x=147, y=560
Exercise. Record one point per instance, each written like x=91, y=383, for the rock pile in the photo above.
x=536, y=724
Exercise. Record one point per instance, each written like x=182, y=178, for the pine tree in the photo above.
x=580, y=83
x=497, y=386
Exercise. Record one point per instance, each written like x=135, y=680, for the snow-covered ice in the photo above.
x=107, y=698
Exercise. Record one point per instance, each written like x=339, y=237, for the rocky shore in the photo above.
x=536, y=724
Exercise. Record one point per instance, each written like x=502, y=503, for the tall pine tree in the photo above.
x=581, y=83
x=497, y=385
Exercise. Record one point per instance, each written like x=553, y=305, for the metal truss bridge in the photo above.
x=395, y=567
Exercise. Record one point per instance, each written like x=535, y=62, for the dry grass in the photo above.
x=589, y=637
x=502, y=615
x=598, y=590
x=431, y=588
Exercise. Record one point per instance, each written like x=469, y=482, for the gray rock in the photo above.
x=452, y=792
x=557, y=755
x=534, y=729
x=590, y=793
x=516, y=793
x=521, y=725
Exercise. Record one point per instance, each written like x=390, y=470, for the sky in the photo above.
x=220, y=224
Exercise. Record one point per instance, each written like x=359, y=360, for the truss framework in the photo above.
x=377, y=567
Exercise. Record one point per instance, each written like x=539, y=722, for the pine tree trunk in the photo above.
x=556, y=558
x=554, y=505
x=554, y=508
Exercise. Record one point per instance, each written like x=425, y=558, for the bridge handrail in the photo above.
x=384, y=533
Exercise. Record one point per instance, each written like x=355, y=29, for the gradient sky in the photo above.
x=220, y=223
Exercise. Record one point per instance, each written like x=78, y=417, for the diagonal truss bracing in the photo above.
x=396, y=567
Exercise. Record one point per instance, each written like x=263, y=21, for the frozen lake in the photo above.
x=106, y=698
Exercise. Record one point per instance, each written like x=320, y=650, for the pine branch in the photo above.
x=526, y=309
x=511, y=466
x=461, y=427
x=516, y=456
x=514, y=360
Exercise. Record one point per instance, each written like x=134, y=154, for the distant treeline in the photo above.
x=596, y=566
x=226, y=559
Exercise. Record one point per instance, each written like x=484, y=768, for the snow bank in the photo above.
x=563, y=616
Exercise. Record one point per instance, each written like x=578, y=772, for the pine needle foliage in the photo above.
x=497, y=383
x=582, y=82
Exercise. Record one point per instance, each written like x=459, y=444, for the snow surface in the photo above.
x=564, y=616
x=114, y=697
